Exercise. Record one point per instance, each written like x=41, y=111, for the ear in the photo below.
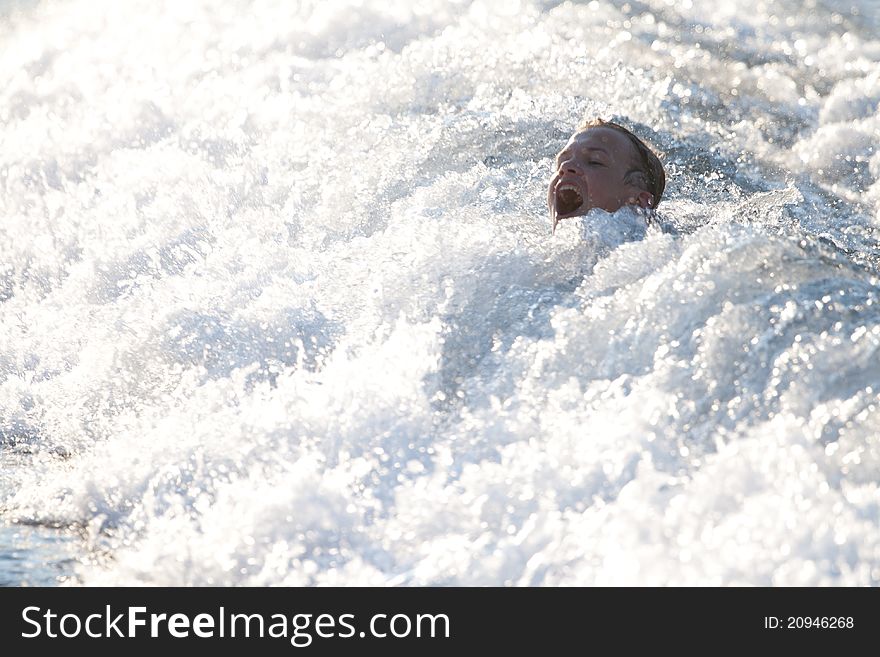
x=645, y=200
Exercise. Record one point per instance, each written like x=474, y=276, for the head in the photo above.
x=604, y=166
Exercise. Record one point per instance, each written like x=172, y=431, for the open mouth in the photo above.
x=566, y=197
x=568, y=200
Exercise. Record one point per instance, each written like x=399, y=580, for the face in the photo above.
x=595, y=169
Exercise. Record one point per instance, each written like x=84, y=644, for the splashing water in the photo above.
x=279, y=302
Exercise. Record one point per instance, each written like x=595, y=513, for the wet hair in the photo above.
x=649, y=171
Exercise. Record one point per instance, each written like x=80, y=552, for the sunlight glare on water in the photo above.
x=279, y=302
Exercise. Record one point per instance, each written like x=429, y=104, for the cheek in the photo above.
x=600, y=183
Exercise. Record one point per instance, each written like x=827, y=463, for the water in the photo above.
x=280, y=303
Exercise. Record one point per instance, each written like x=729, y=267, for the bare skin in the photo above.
x=597, y=168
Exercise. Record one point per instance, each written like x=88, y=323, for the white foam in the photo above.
x=280, y=303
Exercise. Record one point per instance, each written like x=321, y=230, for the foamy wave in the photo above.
x=280, y=302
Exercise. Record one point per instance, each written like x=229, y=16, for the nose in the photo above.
x=570, y=166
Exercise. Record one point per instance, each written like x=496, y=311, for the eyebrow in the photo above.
x=587, y=148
